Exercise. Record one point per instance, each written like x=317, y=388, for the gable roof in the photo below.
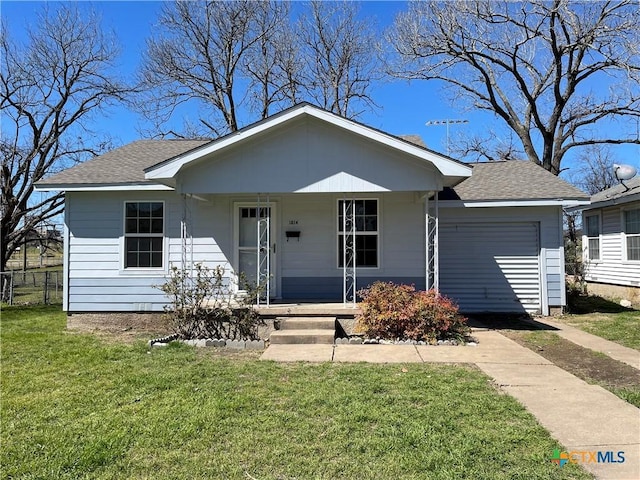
x=122, y=166
x=513, y=180
x=146, y=163
x=129, y=166
x=618, y=194
x=447, y=166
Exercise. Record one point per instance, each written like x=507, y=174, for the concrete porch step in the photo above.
x=307, y=323
x=306, y=336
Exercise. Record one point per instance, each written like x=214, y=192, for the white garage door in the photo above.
x=491, y=267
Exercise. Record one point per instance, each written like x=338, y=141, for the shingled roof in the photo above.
x=124, y=165
x=512, y=180
x=621, y=193
x=492, y=181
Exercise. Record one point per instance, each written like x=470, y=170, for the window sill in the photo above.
x=144, y=271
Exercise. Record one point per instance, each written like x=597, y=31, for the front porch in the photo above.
x=312, y=206
x=299, y=322
x=307, y=309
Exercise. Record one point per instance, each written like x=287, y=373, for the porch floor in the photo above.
x=311, y=308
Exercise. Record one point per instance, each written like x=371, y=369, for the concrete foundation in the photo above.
x=615, y=292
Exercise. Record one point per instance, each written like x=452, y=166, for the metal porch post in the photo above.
x=263, y=257
x=349, y=252
x=432, y=274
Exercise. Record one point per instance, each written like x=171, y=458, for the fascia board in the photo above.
x=614, y=201
x=511, y=203
x=102, y=187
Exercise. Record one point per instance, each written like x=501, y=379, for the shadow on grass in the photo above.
x=584, y=304
x=506, y=321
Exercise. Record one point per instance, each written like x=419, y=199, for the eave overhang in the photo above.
x=92, y=187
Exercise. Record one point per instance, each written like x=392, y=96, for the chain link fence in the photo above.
x=31, y=287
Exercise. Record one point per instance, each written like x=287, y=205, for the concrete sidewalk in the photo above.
x=593, y=342
x=582, y=417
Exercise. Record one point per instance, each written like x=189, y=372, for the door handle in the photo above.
x=274, y=248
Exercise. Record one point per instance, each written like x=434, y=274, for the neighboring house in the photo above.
x=611, y=241
x=315, y=203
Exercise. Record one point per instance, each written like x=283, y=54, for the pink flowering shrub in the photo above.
x=392, y=311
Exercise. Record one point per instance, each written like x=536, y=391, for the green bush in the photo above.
x=391, y=311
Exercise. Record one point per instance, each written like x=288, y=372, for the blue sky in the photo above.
x=405, y=107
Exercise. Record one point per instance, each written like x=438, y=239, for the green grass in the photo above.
x=76, y=407
x=591, y=366
x=53, y=259
x=622, y=327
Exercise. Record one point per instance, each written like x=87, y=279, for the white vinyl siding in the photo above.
x=96, y=279
x=314, y=157
x=315, y=252
x=614, y=266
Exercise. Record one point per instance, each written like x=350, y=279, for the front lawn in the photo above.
x=607, y=320
x=593, y=367
x=74, y=406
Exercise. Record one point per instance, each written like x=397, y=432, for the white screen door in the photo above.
x=256, y=244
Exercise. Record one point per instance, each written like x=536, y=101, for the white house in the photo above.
x=321, y=206
x=611, y=241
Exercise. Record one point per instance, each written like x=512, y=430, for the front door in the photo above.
x=256, y=246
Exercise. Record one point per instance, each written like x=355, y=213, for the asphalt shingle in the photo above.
x=508, y=180
x=630, y=187
x=122, y=165
x=512, y=180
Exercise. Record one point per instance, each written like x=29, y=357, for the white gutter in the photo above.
x=103, y=188
x=611, y=202
x=512, y=203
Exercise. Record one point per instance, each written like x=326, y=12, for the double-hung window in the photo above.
x=365, y=213
x=632, y=233
x=144, y=234
x=592, y=229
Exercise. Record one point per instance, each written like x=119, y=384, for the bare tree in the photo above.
x=554, y=72
x=209, y=54
x=272, y=65
x=339, y=57
x=240, y=61
x=595, y=171
x=49, y=90
x=489, y=146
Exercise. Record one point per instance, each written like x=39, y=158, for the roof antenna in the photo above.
x=624, y=172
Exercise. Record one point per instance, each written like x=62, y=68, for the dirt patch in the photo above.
x=592, y=367
x=120, y=327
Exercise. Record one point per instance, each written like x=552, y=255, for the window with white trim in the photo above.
x=366, y=222
x=632, y=233
x=592, y=230
x=144, y=234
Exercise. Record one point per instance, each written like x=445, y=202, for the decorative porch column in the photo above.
x=349, y=252
x=186, y=237
x=432, y=275
x=263, y=257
